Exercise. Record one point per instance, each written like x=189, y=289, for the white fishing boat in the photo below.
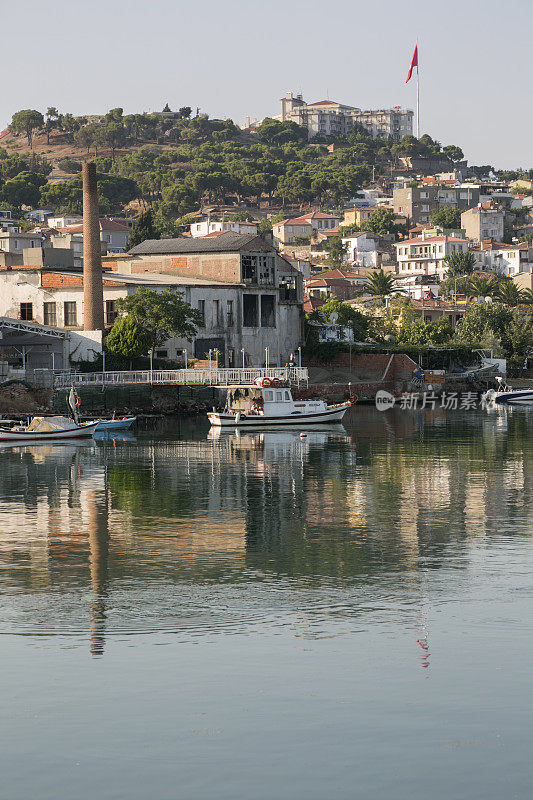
x=48, y=429
x=52, y=429
x=267, y=403
x=506, y=395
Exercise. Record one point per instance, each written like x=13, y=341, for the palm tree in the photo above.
x=381, y=283
x=482, y=287
x=527, y=297
x=460, y=264
x=509, y=293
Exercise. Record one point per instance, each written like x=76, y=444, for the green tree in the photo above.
x=459, y=264
x=129, y=339
x=479, y=286
x=447, y=217
x=52, y=121
x=69, y=165
x=164, y=315
x=142, y=229
x=380, y=284
x=336, y=251
x=453, y=153
x=381, y=222
x=509, y=293
x=185, y=112
x=27, y=122
x=347, y=316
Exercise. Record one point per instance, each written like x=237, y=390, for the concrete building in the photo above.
x=329, y=118
x=14, y=242
x=63, y=221
x=255, y=299
x=482, y=222
x=418, y=203
x=425, y=255
x=362, y=249
x=208, y=226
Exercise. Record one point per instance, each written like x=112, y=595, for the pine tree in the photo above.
x=143, y=229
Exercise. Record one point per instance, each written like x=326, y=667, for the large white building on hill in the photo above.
x=329, y=118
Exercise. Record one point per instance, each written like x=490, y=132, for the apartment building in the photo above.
x=506, y=259
x=483, y=222
x=425, y=255
x=329, y=118
x=418, y=203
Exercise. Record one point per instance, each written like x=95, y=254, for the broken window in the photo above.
x=249, y=311
x=249, y=269
x=268, y=315
x=266, y=270
x=26, y=311
x=201, y=309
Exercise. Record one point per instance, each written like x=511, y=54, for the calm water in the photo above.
x=348, y=615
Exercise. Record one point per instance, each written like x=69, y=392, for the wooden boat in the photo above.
x=115, y=424
x=267, y=403
x=48, y=429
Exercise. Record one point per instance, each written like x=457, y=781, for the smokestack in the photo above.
x=93, y=291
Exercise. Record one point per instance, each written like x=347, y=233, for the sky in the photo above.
x=236, y=59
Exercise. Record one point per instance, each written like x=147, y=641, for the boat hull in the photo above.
x=518, y=398
x=331, y=414
x=81, y=432
x=115, y=424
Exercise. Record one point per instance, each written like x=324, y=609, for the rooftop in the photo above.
x=227, y=243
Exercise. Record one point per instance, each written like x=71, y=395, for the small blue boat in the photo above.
x=115, y=424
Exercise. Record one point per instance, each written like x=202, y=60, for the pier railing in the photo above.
x=181, y=377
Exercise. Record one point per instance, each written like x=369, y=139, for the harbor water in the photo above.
x=195, y=614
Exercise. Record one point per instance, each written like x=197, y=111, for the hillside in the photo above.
x=177, y=164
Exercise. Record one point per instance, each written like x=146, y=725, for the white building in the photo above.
x=329, y=118
x=362, y=249
x=506, y=259
x=207, y=226
x=425, y=255
x=63, y=221
x=287, y=231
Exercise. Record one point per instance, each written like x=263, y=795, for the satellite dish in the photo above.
x=488, y=299
x=334, y=317
x=321, y=315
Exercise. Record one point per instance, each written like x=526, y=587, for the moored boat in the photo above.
x=122, y=424
x=267, y=403
x=506, y=395
x=48, y=429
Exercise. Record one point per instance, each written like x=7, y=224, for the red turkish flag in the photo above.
x=414, y=63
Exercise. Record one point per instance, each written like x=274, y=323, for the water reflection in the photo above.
x=198, y=532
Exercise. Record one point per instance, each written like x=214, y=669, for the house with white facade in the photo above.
x=208, y=226
x=505, y=259
x=425, y=255
x=362, y=249
x=63, y=221
x=304, y=227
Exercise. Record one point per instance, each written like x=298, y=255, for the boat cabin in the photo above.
x=271, y=401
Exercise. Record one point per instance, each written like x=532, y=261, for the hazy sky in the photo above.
x=235, y=58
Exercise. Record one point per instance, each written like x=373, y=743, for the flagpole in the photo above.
x=417, y=102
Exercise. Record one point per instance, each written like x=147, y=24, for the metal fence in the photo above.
x=181, y=377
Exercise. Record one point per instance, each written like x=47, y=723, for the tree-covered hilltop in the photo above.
x=175, y=162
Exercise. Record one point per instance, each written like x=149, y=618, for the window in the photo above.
x=279, y=397
x=287, y=398
x=229, y=313
x=249, y=269
x=50, y=314
x=201, y=309
x=71, y=316
x=269, y=396
x=111, y=312
x=249, y=310
x=161, y=353
x=268, y=315
x=216, y=313
x=26, y=311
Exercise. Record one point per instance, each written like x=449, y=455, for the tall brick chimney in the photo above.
x=93, y=291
